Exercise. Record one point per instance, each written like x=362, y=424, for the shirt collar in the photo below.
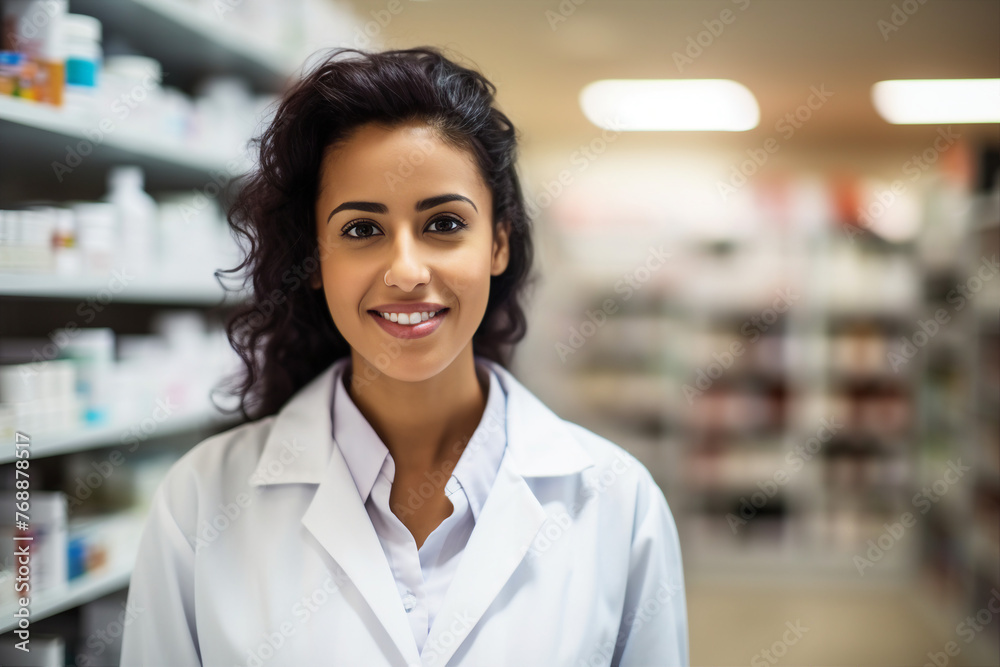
x=362, y=448
x=365, y=453
x=299, y=443
x=480, y=460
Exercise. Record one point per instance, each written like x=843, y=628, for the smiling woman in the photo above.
x=398, y=498
x=337, y=145
x=409, y=253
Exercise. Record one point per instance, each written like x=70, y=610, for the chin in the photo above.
x=405, y=363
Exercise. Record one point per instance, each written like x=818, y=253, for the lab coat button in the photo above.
x=409, y=602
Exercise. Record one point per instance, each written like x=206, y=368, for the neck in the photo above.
x=423, y=424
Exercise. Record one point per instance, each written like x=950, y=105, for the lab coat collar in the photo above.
x=300, y=449
x=300, y=444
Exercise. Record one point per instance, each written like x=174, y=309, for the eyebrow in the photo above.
x=422, y=205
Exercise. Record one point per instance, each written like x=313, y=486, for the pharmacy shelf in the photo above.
x=113, y=576
x=209, y=36
x=85, y=438
x=41, y=134
x=85, y=589
x=955, y=559
x=193, y=40
x=799, y=369
x=202, y=290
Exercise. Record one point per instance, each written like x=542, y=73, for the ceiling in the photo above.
x=540, y=58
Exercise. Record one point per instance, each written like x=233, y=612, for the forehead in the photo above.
x=405, y=162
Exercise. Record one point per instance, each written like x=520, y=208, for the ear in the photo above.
x=316, y=279
x=501, y=249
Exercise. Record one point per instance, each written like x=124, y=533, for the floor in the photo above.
x=734, y=623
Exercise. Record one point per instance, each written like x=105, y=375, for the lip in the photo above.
x=411, y=331
x=409, y=307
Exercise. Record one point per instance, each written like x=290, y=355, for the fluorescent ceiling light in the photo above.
x=670, y=105
x=929, y=101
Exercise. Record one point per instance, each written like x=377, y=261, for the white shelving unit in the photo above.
x=190, y=43
x=50, y=130
x=188, y=289
x=708, y=454
x=960, y=395
x=194, y=38
x=87, y=588
x=67, y=442
x=627, y=386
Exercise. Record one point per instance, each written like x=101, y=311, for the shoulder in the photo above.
x=621, y=479
x=632, y=503
x=236, y=448
x=218, y=467
x=548, y=446
x=605, y=453
x=610, y=459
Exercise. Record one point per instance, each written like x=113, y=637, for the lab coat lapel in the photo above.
x=340, y=523
x=508, y=523
x=538, y=445
x=300, y=450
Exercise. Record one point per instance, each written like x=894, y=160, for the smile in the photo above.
x=424, y=323
x=409, y=318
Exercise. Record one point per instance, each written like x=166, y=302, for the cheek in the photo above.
x=344, y=287
x=468, y=279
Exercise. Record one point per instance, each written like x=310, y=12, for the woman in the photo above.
x=399, y=499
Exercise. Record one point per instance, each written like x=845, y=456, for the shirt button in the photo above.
x=409, y=602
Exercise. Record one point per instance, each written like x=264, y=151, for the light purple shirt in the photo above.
x=422, y=575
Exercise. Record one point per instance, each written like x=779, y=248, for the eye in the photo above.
x=446, y=221
x=363, y=228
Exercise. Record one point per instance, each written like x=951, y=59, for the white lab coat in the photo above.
x=258, y=551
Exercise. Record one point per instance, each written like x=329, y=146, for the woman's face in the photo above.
x=402, y=207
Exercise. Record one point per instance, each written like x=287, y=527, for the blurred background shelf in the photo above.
x=156, y=324
x=211, y=43
x=191, y=288
x=737, y=383
x=112, y=575
x=38, y=132
x=82, y=439
x=87, y=589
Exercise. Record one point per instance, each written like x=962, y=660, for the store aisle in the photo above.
x=734, y=623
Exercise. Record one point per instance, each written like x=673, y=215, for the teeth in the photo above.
x=409, y=318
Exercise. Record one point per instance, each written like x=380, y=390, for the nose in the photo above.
x=407, y=268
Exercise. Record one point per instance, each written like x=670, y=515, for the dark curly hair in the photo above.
x=284, y=333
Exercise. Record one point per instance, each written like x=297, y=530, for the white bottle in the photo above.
x=136, y=217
